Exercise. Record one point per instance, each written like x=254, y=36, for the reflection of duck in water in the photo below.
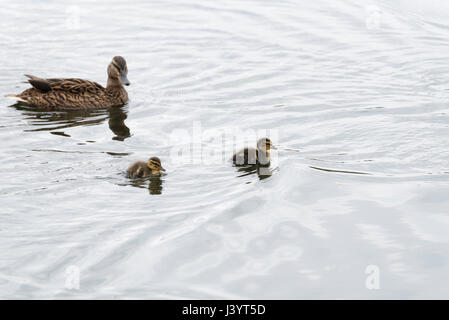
x=76, y=94
x=253, y=156
x=141, y=169
x=56, y=120
x=263, y=172
x=117, y=117
x=155, y=186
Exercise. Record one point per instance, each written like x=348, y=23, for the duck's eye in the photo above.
x=116, y=65
x=155, y=164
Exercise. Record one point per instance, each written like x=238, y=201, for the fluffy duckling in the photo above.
x=261, y=155
x=75, y=94
x=143, y=169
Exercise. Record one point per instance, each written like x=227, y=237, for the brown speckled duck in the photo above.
x=59, y=94
x=251, y=156
x=143, y=169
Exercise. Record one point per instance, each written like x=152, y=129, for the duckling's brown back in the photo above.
x=245, y=156
x=138, y=170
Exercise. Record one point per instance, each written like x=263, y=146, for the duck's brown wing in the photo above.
x=245, y=156
x=138, y=170
x=72, y=85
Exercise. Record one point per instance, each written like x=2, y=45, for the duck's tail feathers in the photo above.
x=30, y=76
x=15, y=97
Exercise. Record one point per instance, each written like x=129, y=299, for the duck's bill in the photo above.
x=124, y=79
x=162, y=169
x=273, y=147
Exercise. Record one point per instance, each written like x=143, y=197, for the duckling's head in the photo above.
x=118, y=70
x=154, y=163
x=265, y=144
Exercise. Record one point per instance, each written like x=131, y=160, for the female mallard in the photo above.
x=143, y=169
x=52, y=94
x=251, y=156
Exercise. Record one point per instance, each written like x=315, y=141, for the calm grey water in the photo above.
x=355, y=96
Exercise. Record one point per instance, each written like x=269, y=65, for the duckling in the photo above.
x=260, y=156
x=143, y=169
x=60, y=94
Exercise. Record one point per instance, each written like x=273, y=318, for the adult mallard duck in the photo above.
x=143, y=169
x=252, y=156
x=58, y=94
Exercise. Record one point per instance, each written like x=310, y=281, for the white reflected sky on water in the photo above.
x=354, y=88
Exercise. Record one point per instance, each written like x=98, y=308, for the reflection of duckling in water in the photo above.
x=117, y=117
x=251, y=156
x=143, y=169
x=262, y=171
x=155, y=186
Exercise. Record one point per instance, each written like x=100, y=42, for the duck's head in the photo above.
x=118, y=70
x=265, y=144
x=154, y=163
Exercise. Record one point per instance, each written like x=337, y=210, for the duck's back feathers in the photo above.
x=40, y=84
x=73, y=85
x=245, y=156
x=138, y=169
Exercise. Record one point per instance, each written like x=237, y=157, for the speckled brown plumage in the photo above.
x=72, y=93
x=252, y=156
x=142, y=169
x=245, y=156
x=138, y=169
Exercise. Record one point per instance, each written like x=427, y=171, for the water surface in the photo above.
x=355, y=96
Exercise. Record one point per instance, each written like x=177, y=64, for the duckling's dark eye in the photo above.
x=155, y=164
